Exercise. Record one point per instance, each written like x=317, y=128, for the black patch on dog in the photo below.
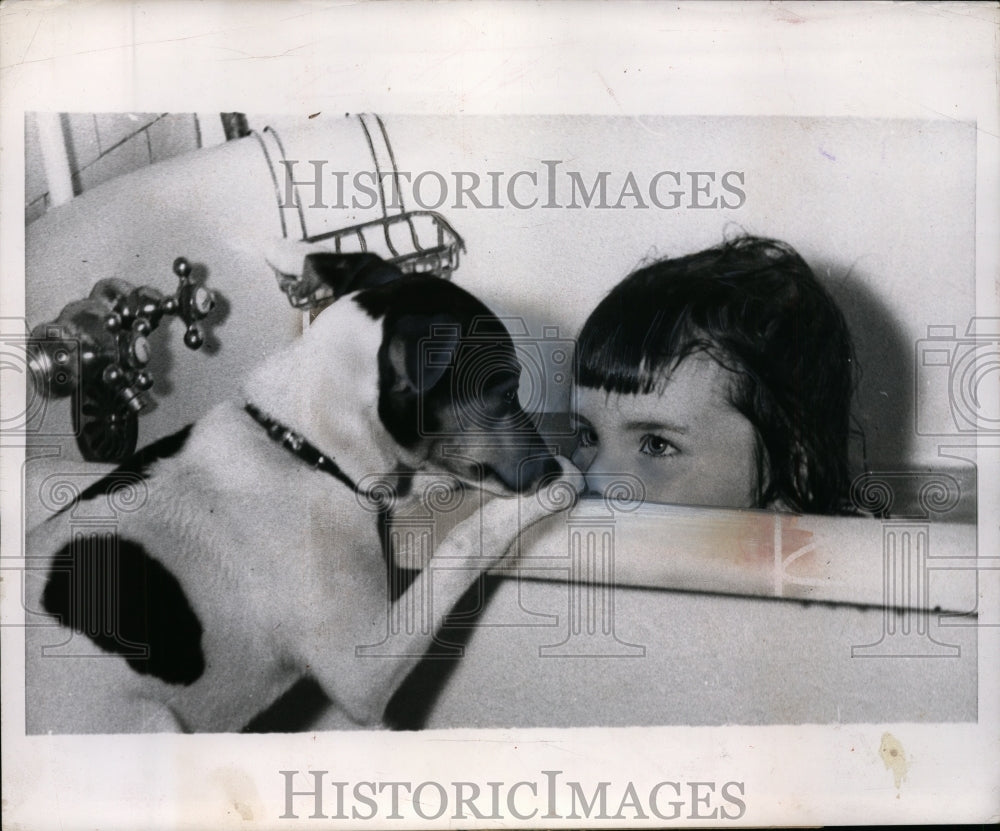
x=398, y=580
x=128, y=603
x=138, y=464
x=413, y=702
x=346, y=273
x=419, y=311
x=296, y=710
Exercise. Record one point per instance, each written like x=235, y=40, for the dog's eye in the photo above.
x=510, y=397
x=588, y=436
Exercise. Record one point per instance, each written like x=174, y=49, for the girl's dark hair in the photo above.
x=756, y=308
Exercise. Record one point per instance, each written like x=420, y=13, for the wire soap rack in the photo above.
x=416, y=242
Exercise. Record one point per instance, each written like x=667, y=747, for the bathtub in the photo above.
x=606, y=614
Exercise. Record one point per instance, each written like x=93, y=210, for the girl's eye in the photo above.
x=653, y=445
x=588, y=436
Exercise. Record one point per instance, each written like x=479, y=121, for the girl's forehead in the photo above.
x=698, y=387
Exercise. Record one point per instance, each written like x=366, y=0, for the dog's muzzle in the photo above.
x=527, y=474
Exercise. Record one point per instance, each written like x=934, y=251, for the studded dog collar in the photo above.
x=299, y=446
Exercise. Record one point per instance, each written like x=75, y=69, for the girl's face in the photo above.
x=685, y=443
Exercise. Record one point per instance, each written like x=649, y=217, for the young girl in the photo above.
x=721, y=378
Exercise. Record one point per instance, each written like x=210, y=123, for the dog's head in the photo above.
x=447, y=373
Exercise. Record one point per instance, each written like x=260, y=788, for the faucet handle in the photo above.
x=192, y=302
x=98, y=350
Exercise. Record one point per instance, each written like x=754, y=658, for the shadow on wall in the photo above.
x=883, y=403
x=163, y=359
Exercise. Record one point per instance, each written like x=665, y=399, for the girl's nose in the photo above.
x=608, y=478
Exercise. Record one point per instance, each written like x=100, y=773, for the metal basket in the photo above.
x=433, y=245
x=416, y=242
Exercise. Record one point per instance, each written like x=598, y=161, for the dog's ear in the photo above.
x=345, y=273
x=421, y=349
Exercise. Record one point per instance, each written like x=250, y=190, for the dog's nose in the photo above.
x=534, y=471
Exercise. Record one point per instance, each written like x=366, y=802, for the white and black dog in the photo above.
x=252, y=560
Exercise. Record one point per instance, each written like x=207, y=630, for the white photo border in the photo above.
x=800, y=59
